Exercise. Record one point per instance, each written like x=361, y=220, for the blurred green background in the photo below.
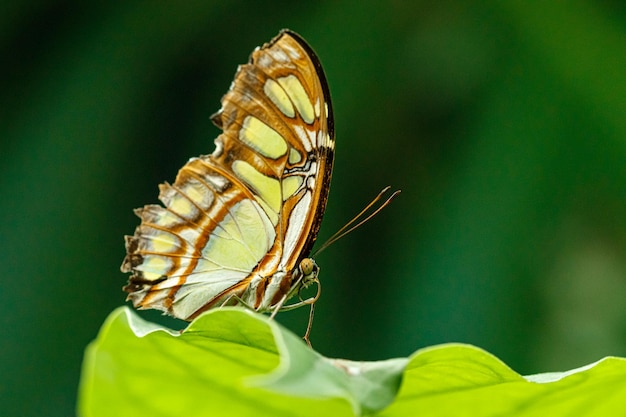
x=502, y=122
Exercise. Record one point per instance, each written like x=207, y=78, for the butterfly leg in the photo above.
x=309, y=301
x=309, y=326
x=301, y=303
x=278, y=307
x=239, y=302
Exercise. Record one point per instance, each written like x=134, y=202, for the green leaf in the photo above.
x=462, y=380
x=237, y=363
x=138, y=368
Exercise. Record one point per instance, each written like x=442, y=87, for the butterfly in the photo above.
x=237, y=226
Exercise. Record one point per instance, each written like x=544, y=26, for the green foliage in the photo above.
x=237, y=363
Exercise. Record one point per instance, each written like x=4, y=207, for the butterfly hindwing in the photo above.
x=239, y=221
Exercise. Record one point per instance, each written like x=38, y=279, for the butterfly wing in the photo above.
x=239, y=221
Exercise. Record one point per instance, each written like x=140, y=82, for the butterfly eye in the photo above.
x=308, y=266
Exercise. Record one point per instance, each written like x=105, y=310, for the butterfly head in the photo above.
x=308, y=270
x=307, y=273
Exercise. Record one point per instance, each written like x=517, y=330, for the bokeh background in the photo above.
x=504, y=124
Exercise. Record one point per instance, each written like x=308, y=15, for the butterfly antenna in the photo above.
x=351, y=226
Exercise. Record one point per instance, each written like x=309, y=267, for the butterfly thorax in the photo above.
x=283, y=287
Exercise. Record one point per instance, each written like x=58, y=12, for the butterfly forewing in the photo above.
x=239, y=221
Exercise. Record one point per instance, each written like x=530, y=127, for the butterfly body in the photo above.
x=237, y=225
